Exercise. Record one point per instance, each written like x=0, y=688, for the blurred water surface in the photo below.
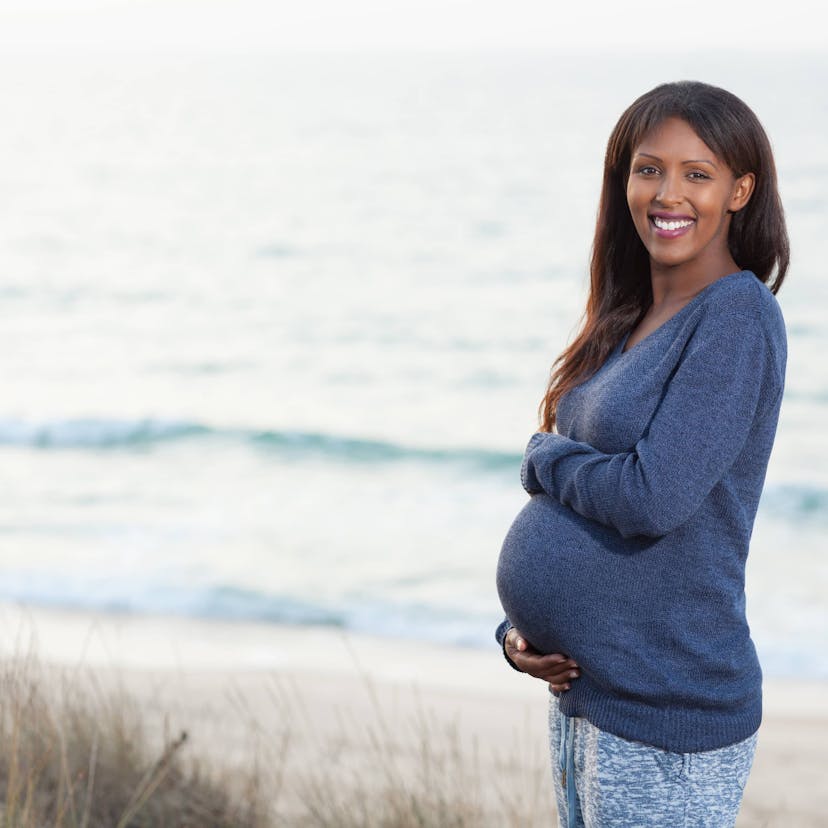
x=274, y=328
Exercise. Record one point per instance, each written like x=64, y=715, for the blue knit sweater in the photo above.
x=630, y=554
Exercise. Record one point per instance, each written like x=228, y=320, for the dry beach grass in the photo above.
x=81, y=753
x=77, y=755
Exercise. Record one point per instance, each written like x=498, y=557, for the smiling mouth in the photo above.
x=670, y=224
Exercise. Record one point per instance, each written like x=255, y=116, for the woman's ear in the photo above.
x=742, y=191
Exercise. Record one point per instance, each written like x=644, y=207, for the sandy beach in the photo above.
x=328, y=711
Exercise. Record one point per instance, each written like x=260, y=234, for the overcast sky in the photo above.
x=441, y=24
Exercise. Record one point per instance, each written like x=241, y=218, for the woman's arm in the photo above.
x=728, y=370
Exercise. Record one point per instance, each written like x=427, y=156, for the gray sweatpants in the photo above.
x=604, y=781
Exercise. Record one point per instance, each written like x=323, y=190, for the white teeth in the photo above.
x=663, y=224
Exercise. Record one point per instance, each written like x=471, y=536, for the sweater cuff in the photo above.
x=500, y=634
x=528, y=478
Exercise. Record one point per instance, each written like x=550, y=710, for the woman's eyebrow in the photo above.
x=689, y=161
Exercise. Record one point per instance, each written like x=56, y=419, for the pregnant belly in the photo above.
x=554, y=575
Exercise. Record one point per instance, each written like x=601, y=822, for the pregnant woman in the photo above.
x=622, y=578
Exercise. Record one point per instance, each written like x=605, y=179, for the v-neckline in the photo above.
x=620, y=348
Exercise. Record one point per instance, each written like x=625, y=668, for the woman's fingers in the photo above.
x=560, y=681
x=554, y=668
x=517, y=647
x=561, y=678
x=535, y=663
x=550, y=668
x=563, y=684
x=557, y=667
x=516, y=640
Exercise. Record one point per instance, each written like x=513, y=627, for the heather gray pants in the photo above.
x=604, y=781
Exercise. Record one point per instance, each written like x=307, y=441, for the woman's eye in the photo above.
x=647, y=170
x=696, y=175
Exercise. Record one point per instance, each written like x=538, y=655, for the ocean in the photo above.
x=275, y=328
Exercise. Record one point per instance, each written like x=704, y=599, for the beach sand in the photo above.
x=327, y=712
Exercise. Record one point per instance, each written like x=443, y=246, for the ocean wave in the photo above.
x=234, y=603
x=91, y=433
x=797, y=502
x=786, y=651
x=378, y=451
x=786, y=501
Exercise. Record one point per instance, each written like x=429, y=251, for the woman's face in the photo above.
x=680, y=197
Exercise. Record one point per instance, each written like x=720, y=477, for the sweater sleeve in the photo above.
x=697, y=432
x=500, y=635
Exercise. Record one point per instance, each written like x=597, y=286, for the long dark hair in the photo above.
x=620, y=289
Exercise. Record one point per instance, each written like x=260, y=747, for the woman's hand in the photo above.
x=554, y=668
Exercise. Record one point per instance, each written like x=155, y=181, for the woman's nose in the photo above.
x=669, y=192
